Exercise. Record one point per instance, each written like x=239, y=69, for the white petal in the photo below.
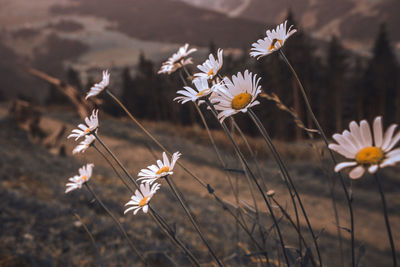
x=388, y=136
x=357, y=172
x=373, y=169
x=394, y=141
x=366, y=133
x=378, y=131
x=343, y=165
x=341, y=150
x=145, y=208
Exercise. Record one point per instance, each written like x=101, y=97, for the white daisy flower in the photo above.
x=142, y=198
x=274, y=41
x=237, y=95
x=78, y=180
x=99, y=87
x=211, y=66
x=89, y=139
x=201, y=90
x=91, y=126
x=365, y=152
x=177, y=60
x=164, y=168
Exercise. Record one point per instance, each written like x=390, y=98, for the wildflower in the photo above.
x=78, y=180
x=91, y=126
x=365, y=152
x=177, y=60
x=142, y=198
x=274, y=41
x=164, y=168
x=99, y=87
x=89, y=139
x=237, y=95
x=189, y=94
x=211, y=66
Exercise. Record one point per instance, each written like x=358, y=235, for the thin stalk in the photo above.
x=239, y=222
x=262, y=179
x=235, y=192
x=256, y=182
x=112, y=166
x=285, y=173
x=116, y=160
x=216, y=150
x=386, y=216
x=173, y=189
x=204, y=184
x=156, y=217
x=252, y=154
x=294, y=226
x=116, y=221
x=322, y=133
x=100, y=261
x=164, y=226
x=210, y=135
x=200, y=181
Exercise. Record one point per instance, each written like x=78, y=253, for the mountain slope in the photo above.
x=169, y=21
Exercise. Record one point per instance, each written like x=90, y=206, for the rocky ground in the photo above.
x=39, y=226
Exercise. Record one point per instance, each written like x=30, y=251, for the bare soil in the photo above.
x=39, y=228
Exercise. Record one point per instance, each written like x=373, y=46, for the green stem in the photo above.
x=285, y=173
x=386, y=216
x=112, y=166
x=116, y=221
x=200, y=181
x=117, y=161
x=167, y=230
x=255, y=181
x=173, y=189
x=322, y=133
x=164, y=226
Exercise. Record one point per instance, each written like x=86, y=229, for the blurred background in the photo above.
x=346, y=53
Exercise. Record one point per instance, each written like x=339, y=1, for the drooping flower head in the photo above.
x=236, y=95
x=140, y=200
x=177, y=60
x=202, y=89
x=85, y=144
x=99, y=87
x=92, y=123
x=163, y=168
x=78, y=180
x=364, y=151
x=211, y=66
x=274, y=41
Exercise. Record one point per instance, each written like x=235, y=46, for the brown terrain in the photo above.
x=39, y=227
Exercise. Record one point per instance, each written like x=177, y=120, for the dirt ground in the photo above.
x=39, y=228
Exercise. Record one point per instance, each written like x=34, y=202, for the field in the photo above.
x=39, y=226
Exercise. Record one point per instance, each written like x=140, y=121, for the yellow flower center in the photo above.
x=369, y=155
x=87, y=130
x=272, y=46
x=202, y=92
x=211, y=72
x=84, y=178
x=163, y=169
x=143, y=201
x=241, y=101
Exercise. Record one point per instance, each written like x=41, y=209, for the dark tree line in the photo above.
x=342, y=86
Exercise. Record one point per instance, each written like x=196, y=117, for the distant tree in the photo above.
x=299, y=49
x=277, y=78
x=381, y=81
x=336, y=83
